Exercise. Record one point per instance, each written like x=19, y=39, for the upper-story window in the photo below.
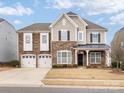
x=95, y=37
x=27, y=45
x=44, y=39
x=27, y=37
x=64, y=35
x=80, y=35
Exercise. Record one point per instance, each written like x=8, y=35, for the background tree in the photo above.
x=117, y=51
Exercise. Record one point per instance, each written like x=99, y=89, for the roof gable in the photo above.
x=69, y=19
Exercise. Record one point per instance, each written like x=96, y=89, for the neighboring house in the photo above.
x=8, y=44
x=68, y=40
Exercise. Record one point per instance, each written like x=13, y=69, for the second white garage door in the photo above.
x=44, y=61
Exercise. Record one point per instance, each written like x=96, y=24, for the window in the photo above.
x=27, y=39
x=44, y=39
x=95, y=37
x=95, y=57
x=28, y=42
x=80, y=36
x=64, y=57
x=63, y=35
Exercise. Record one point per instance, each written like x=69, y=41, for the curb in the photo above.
x=89, y=87
x=20, y=85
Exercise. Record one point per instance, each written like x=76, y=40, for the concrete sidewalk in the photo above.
x=84, y=82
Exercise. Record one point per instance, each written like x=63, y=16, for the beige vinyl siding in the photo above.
x=82, y=27
x=59, y=26
x=102, y=35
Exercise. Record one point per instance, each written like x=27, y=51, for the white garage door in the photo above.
x=44, y=61
x=28, y=61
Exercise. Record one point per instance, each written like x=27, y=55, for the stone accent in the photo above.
x=61, y=45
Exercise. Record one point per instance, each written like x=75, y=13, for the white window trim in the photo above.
x=97, y=38
x=82, y=36
x=95, y=58
x=44, y=44
x=67, y=35
x=67, y=57
x=28, y=46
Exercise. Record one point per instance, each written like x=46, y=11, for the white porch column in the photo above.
x=87, y=51
x=76, y=56
x=107, y=58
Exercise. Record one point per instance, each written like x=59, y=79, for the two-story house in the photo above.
x=68, y=40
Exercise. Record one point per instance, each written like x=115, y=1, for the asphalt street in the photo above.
x=57, y=90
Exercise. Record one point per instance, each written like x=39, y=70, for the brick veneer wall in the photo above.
x=36, y=45
x=61, y=45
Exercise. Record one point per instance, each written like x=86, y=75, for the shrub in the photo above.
x=75, y=65
x=114, y=65
x=13, y=63
x=64, y=65
x=122, y=66
x=70, y=66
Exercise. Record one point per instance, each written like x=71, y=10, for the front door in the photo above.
x=80, y=59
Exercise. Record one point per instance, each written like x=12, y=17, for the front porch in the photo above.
x=92, y=55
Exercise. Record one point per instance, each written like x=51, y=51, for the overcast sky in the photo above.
x=107, y=13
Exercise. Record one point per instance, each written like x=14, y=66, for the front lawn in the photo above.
x=78, y=73
x=84, y=77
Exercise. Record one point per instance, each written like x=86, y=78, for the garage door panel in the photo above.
x=44, y=61
x=28, y=61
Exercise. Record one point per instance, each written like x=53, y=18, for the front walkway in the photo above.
x=23, y=76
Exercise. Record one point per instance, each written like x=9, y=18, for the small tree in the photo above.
x=117, y=52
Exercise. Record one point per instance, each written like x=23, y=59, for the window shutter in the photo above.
x=99, y=37
x=59, y=35
x=68, y=35
x=91, y=37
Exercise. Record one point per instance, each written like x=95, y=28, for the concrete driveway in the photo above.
x=23, y=76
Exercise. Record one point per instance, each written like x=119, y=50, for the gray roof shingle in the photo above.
x=1, y=20
x=71, y=13
x=36, y=27
x=92, y=25
x=45, y=26
x=98, y=46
